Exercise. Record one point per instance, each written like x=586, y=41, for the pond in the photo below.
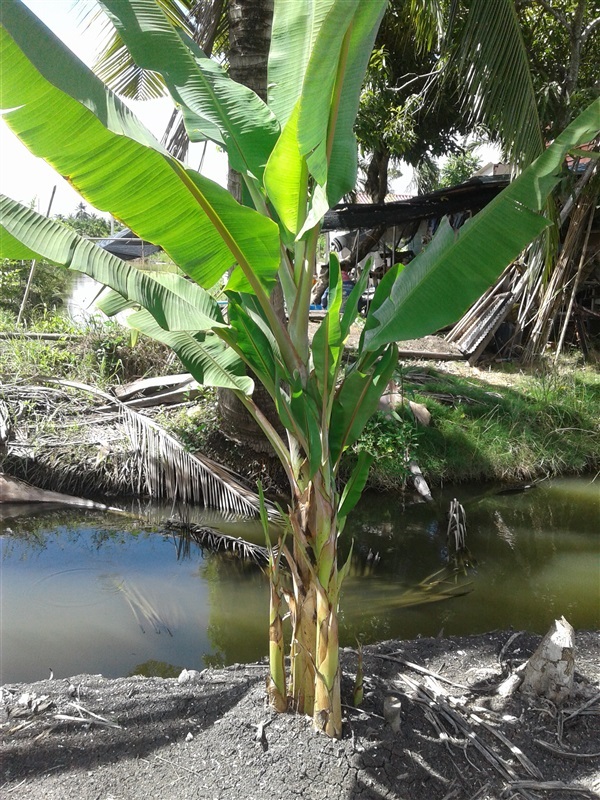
x=101, y=593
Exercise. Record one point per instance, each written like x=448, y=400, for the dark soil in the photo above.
x=214, y=737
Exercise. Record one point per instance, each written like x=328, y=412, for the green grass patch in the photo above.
x=99, y=352
x=536, y=424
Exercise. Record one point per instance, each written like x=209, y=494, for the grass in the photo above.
x=530, y=425
x=101, y=354
x=497, y=427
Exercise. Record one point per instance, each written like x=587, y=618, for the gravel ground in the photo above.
x=89, y=738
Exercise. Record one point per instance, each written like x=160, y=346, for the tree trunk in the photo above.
x=249, y=41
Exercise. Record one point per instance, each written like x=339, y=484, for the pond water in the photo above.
x=101, y=593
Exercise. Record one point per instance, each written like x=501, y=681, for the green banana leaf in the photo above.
x=356, y=401
x=286, y=177
x=210, y=360
x=175, y=303
x=458, y=266
x=255, y=345
x=293, y=33
x=213, y=106
x=324, y=72
x=65, y=115
x=331, y=93
x=176, y=311
x=299, y=413
x=356, y=483
x=327, y=344
x=315, y=92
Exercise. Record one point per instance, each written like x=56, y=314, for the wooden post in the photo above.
x=32, y=270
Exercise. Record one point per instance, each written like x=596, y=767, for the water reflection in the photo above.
x=89, y=592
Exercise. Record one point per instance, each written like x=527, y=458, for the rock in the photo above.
x=420, y=412
x=189, y=676
x=419, y=481
x=392, y=710
x=551, y=669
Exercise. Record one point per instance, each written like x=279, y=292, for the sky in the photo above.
x=26, y=178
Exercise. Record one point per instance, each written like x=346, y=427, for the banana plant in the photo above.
x=297, y=157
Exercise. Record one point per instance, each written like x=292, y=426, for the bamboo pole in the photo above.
x=576, y=283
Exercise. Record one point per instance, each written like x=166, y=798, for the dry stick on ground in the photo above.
x=433, y=702
x=564, y=753
x=422, y=670
x=552, y=786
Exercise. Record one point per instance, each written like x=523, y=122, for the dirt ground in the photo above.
x=417, y=735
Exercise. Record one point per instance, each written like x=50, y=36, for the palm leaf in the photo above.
x=496, y=76
x=116, y=67
x=165, y=469
x=217, y=541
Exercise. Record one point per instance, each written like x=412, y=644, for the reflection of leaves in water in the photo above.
x=442, y=585
x=142, y=608
x=57, y=526
x=156, y=669
x=14, y=540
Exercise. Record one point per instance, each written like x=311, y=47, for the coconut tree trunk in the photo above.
x=249, y=42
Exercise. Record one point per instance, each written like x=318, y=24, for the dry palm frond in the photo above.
x=162, y=468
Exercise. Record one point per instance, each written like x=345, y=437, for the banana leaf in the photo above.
x=65, y=115
x=213, y=105
x=175, y=303
x=455, y=269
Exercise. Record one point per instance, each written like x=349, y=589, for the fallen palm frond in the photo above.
x=454, y=727
x=155, y=463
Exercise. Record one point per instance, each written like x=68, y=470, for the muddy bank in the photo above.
x=417, y=735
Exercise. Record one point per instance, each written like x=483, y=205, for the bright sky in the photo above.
x=24, y=177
